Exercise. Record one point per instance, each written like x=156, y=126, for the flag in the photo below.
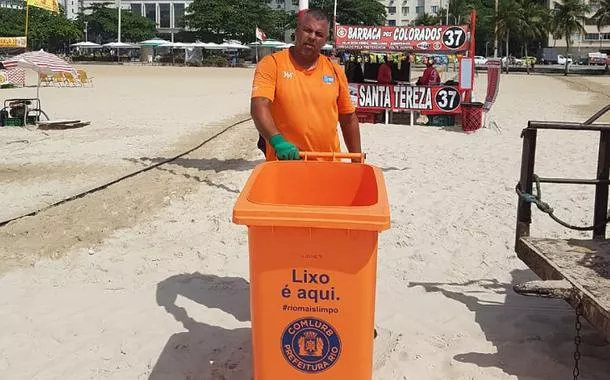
x=50, y=5
x=260, y=35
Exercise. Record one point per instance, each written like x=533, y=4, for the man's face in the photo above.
x=310, y=36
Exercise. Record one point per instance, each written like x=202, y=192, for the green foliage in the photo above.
x=47, y=30
x=426, y=19
x=102, y=25
x=218, y=20
x=602, y=15
x=568, y=18
x=353, y=12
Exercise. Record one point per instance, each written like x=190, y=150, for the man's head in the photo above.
x=311, y=33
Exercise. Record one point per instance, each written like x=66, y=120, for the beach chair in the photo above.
x=45, y=79
x=70, y=80
x=58, y=79
x=84, y=79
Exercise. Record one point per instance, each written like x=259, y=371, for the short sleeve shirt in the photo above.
x=305, y=103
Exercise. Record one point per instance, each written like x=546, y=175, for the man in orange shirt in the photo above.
x=299, y=95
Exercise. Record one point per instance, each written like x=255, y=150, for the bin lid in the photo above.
x=367, y=215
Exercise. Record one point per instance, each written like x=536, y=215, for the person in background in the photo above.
x=384, y=75
x=430, y=75
x=299, y=95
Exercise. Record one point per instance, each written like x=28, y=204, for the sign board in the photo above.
x=493, y=81
x=466, y=73
x=436, y=38
x=426, y=99
x=13, y=42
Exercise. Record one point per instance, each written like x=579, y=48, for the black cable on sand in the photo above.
x=5, y=222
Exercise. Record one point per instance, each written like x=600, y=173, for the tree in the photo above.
x=103, y=24
x=568, y=19
x=509, y=18
x=426, y=19
x=602, y=15
x=353, y=12
x=47, y=30
x=534, y=23
x=218, y=20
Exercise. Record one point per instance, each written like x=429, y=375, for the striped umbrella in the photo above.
x=39, y=61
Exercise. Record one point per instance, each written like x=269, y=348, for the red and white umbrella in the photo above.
x=39, y=61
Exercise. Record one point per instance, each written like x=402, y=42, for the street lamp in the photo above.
x=86, y=37
x=486, y=43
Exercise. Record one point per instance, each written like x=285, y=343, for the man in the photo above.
x=299, y=95
x=430, y=75
x=384, y=75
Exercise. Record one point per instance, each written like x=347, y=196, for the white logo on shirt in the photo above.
x=288, y=74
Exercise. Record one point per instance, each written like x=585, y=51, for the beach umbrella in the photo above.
x=86, y=44
x=274, y=44
x=154, y=42
x=41, y=62
x=233, y=45
x=119, y=45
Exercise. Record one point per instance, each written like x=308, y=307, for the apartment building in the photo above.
x=404, y=12
x=593, y=40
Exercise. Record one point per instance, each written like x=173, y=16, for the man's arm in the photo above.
x=348, y=120
x=260, y=110
x=350, y=128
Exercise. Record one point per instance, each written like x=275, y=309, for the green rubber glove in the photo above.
x=284, y=150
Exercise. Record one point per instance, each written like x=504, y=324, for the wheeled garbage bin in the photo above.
x=313, y=228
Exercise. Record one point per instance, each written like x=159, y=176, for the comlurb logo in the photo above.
x=288, y=74
x=341, y=32
x=311, y=345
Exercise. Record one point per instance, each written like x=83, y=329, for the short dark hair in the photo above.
x=317, y=14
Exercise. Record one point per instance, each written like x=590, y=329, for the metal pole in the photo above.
x=118, y=49
x=447, y=15
x=335, y=17
x=496, y=32
x=86, y=31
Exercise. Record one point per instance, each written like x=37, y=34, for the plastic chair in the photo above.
x=70, y=80
x=84, y=79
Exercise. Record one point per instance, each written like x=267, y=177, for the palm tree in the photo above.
x=426, y=19
x=509, y=18
x=602, y=15
x=568, y=19
x=534, y=23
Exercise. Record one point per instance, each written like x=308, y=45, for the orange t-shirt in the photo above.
x=305, y=103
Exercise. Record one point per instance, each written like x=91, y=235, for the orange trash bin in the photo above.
x=313, y=228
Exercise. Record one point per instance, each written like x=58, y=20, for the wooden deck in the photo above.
x=585, y=264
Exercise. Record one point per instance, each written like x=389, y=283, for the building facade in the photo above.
x=404, y=12
x=593, y=40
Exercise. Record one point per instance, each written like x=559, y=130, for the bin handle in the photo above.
x=334, y=155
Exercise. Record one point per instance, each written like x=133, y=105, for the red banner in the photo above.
x=493, y=81
x=425, y=99
x=437, y=38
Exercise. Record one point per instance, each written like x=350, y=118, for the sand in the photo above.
x=148, y=278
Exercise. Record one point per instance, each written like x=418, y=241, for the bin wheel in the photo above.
x=374, y=333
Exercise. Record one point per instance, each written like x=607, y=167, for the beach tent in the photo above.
x=154, y=42
x=120, y=45
x=86, y=45
x=41, y=62
x=147, y=48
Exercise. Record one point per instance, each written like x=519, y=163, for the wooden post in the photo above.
x=27, y=20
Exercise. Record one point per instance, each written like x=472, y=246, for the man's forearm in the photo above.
x=351, y=132
x=261, y=114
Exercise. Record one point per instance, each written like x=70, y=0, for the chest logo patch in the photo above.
x=328, y=79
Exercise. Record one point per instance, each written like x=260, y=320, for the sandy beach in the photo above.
x=148, y=278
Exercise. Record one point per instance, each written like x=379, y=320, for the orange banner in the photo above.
x=13, y=42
